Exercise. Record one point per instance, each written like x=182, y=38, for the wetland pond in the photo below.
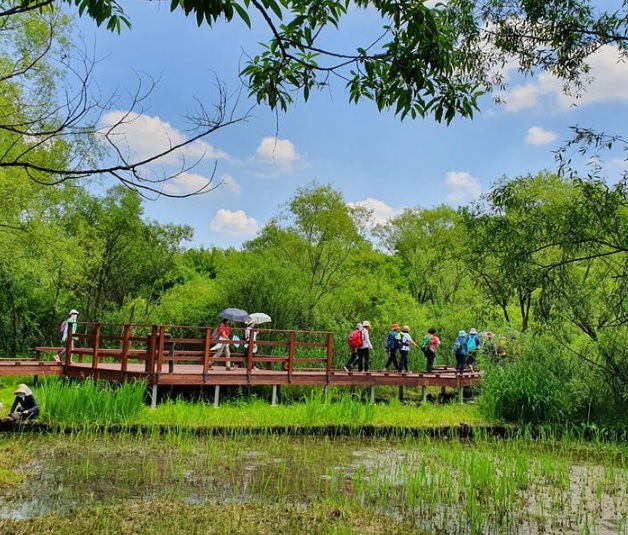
x=433, y=485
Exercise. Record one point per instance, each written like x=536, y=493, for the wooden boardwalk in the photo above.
x=165, y=356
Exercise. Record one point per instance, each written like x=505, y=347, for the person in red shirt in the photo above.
x=430, y=350
x=224, y=339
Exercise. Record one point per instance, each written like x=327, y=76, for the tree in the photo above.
x=426, y=59
x=54, y=128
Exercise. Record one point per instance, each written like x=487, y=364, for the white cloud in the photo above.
x=279, y=152
x=234, y=223
x=537, y=135
x=229, y=182
x=186, y=183
x=608, y=83
x=380, y=210
x=141, y=136
x=462, y=187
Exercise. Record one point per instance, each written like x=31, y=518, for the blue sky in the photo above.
x=372, y=157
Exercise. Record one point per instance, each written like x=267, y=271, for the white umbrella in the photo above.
x=260, y=317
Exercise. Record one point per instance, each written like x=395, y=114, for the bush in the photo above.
x=531, y=388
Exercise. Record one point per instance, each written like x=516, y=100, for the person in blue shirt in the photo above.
x=25, y=406
x=391, y=347
x=473, y=346
x=460, y=351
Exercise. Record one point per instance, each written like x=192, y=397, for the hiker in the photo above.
x=406, y=341
x=501, y=349
x=429, y=345
x=224, y=339
x=392, y=345
x=250, y=333
x=63, y=328
x=364, y=351
x=355, y=342
x=473, y=345
x=460, y=352
x=25, y=406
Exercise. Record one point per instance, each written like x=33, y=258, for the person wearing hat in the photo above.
x=250, y=333
x=392, y=344
x=473, y=345
x=429, y=345
x=364, y=351
x=25, y=406
x=406, y=342
x=460, y=351
x=65, y=325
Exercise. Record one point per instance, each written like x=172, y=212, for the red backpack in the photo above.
x=355, y=339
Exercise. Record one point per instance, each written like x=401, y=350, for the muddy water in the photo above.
x=446, y=486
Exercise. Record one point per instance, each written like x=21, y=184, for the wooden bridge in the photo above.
x=165, y=356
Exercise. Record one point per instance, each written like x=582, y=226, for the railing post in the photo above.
x=160, y=347
x=125, y=348
x=69, y=343
x=291, y=348
x=330, y=354
x=248, y=353
x=206, y=351
x=96, y=346
x=150, y=357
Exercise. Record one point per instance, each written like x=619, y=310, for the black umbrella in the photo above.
x=235, y=314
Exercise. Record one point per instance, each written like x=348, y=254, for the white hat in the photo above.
x=73, y=311
x=23, y=390
x=473, y=331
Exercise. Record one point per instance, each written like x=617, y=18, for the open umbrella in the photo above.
x=260, y=317
x=235, y=314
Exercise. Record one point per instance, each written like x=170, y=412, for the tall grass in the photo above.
x=91, y=402
x=530, y=388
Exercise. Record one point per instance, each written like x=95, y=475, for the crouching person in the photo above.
x=25, y=406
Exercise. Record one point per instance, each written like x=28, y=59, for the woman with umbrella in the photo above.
x=224, y=339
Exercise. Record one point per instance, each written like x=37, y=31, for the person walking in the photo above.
x=460, y=352
x=355, y=342
x=406, y=342
x=473, y=345
x=364, y=352
x=250, y=336
x=429, y=346
x=224, y=339
x=71, y=320
x=391, y=347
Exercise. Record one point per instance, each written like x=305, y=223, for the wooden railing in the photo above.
x=161, y=347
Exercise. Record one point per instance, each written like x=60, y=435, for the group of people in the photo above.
x=224, y=340
x=398, y=343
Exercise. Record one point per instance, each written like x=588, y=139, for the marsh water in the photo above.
x=439, y=485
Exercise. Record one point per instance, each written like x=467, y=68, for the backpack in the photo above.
x=355, y=339
x=391, y=341
x=399, y=340
x=215, y=335
x=62, y=327
x=472, y=344
x=425, y=343
x=460, y=346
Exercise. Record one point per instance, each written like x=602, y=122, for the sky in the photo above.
x=372, y=157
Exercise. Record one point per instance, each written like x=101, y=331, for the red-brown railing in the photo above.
x=158, y=346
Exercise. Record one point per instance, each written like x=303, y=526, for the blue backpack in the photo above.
x=472, y=344
x=391, y=341
x=460, y=346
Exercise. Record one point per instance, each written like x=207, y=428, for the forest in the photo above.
x=539, y=259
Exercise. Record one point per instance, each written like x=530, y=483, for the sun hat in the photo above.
x=462, y=333
x=358, y=325
x=490, y=334
x=473, y=331
x=366, y=323
x=73, y=311
x=22, y=389
x=406, y=329
x=395, y=327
